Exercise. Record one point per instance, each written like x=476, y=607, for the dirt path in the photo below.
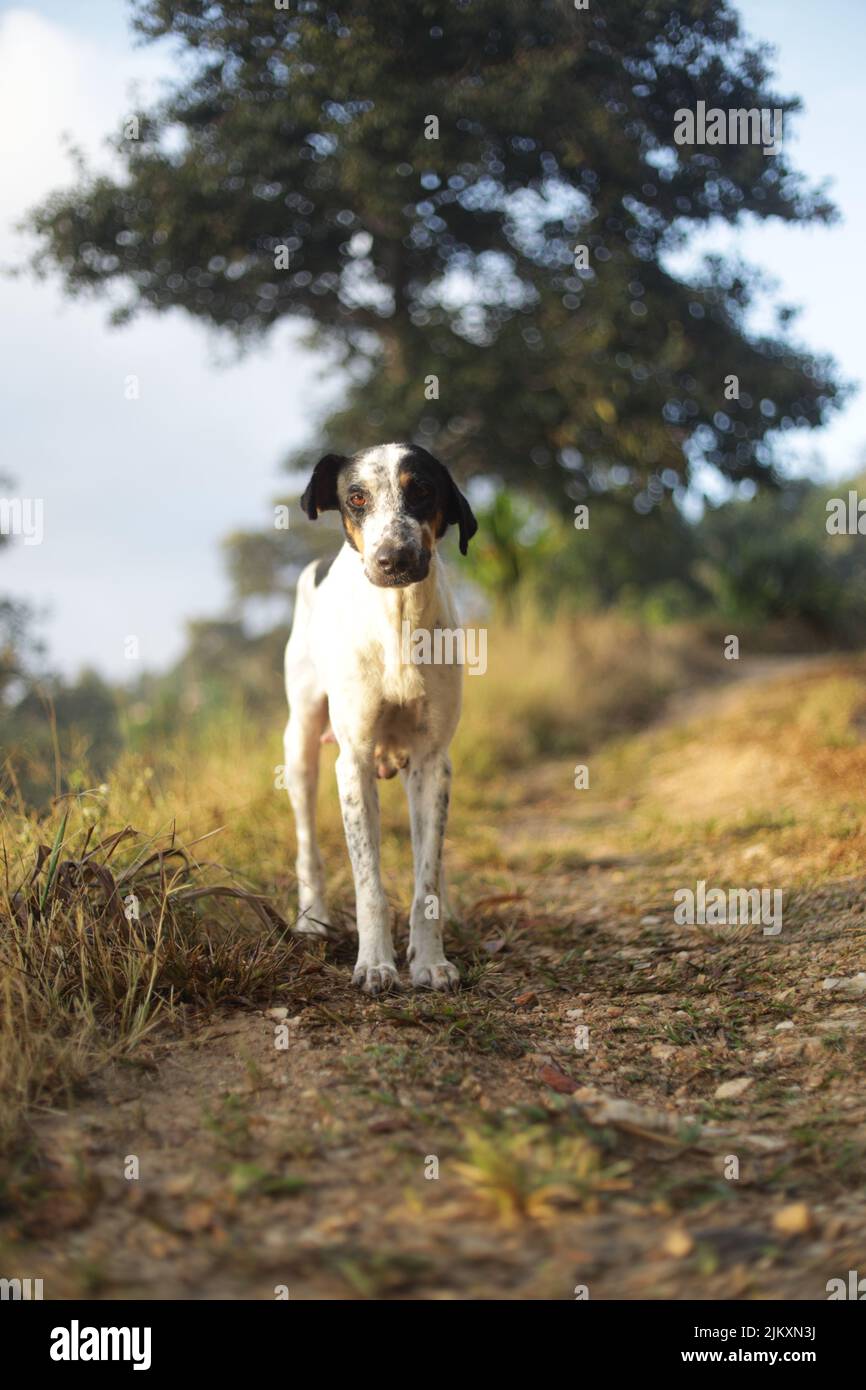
x=473, y=1147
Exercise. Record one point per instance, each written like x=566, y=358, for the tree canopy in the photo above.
x=413, y=180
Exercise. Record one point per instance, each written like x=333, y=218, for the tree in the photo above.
x=413, y=180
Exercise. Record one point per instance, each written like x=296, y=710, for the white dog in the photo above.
x=345, y=661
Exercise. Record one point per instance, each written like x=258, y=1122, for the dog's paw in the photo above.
x=375, y=979
x=437, y=974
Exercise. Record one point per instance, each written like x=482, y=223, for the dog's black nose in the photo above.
x=394, y=559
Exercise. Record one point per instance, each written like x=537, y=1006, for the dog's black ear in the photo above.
x=458, y=512
x=320, y=494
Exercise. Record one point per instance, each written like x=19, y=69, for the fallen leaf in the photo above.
x=557, y=1079
x=198, y=1216
x=678, y=1243
x=793, y=1220
x=732, y=1090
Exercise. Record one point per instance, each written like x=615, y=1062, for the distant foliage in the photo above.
x=762, y=561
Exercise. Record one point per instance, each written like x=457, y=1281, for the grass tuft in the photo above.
x=101, y=943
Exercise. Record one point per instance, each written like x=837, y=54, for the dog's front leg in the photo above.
x=429, y=788
x=375, y=969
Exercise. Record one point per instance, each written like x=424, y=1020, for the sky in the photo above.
x=139, y=493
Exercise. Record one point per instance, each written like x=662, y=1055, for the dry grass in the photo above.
x=567, y=686
x=102, y=940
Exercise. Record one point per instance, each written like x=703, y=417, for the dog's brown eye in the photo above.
x=357, y=500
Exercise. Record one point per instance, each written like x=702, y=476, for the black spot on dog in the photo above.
x=431, y=495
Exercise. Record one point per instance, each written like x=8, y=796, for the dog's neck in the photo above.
x=402, y=611
x=418, y=603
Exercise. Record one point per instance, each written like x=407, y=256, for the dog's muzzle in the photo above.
x=394, y=566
